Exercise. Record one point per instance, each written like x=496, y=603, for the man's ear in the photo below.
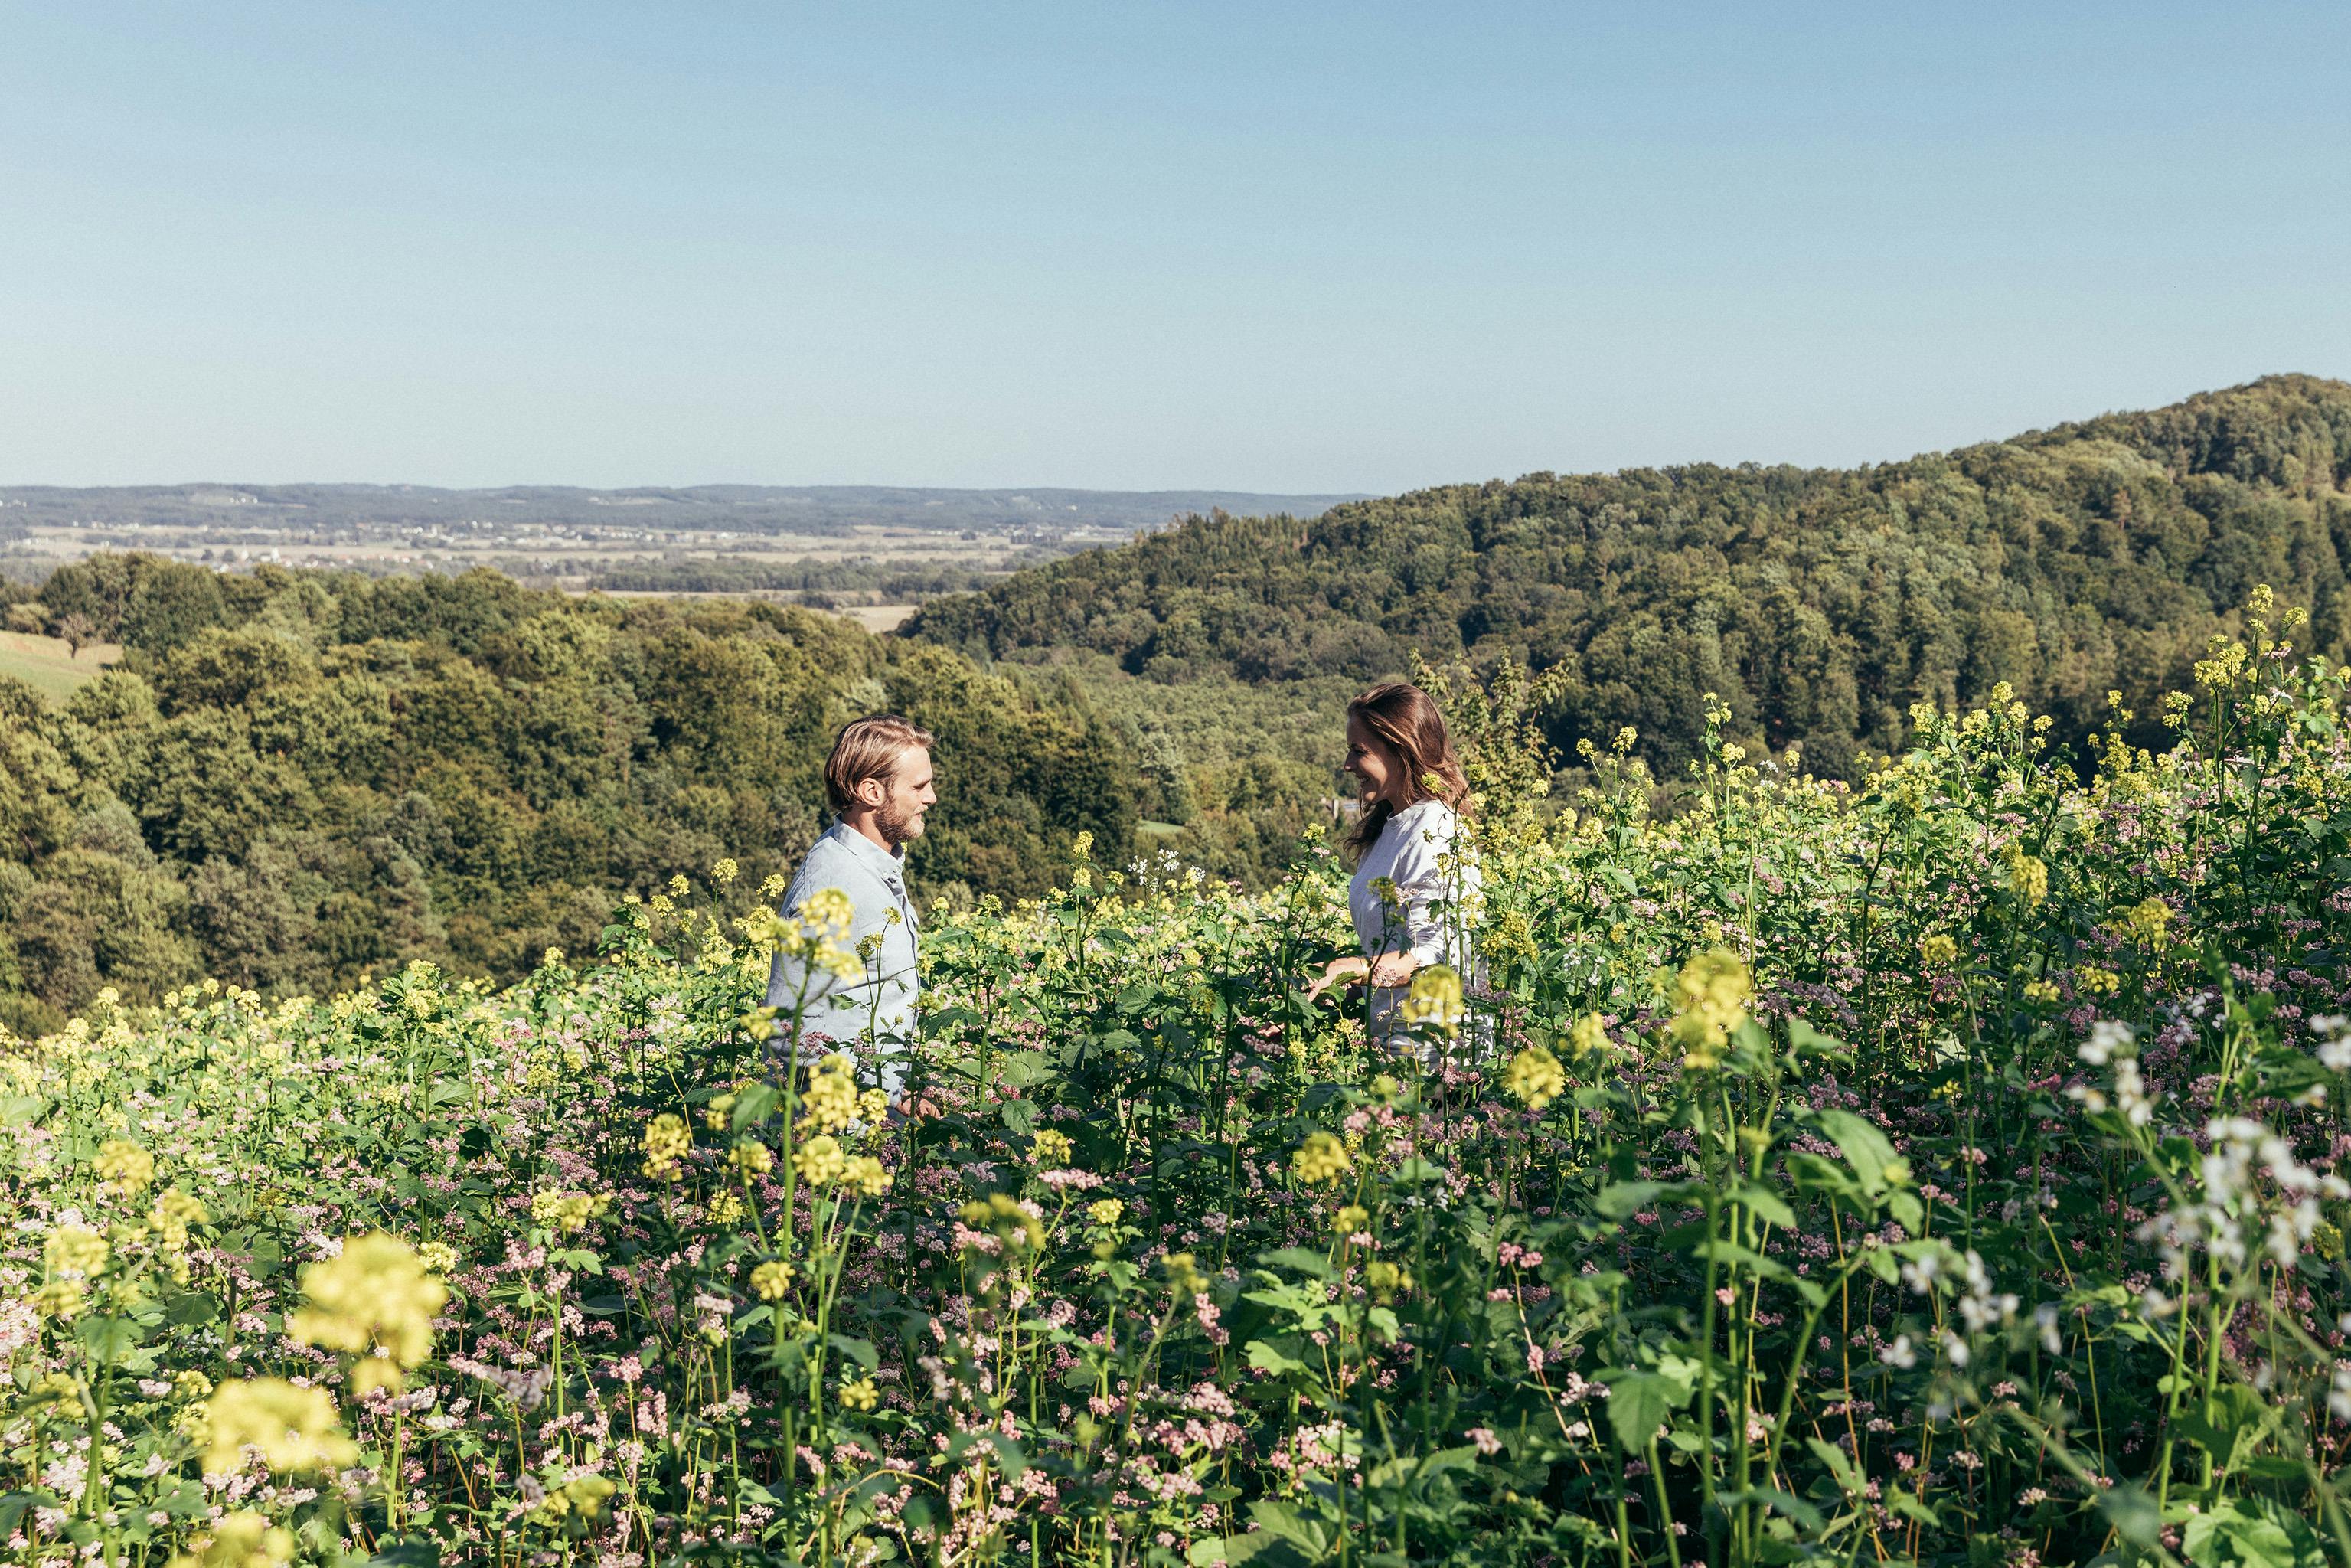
x=873, y=793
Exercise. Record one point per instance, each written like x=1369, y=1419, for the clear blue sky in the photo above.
x=1261, y=245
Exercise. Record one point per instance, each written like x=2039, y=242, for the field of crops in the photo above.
x=1940, y=1170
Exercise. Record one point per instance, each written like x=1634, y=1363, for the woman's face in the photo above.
x=1374, y=766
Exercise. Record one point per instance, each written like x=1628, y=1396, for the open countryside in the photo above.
x=1802, y=1167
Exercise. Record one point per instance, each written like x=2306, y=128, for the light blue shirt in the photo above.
x=881, y=1007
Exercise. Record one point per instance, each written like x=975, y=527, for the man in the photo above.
x=879, y=783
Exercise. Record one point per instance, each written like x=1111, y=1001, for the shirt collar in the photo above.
x=880, y=862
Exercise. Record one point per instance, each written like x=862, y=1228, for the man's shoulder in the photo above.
x=832, y=863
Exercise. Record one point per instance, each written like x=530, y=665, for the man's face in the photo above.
x=906, y=795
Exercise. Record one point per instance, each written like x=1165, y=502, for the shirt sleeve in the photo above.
x=828, y=1004
x=1427, y=877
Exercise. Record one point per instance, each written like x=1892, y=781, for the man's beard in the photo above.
x=899, y=824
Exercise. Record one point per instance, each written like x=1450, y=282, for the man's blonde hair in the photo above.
x=865, y=749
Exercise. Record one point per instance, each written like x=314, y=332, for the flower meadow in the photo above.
x=1939, y=1169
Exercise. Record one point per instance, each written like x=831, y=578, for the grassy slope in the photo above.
x=43, y=663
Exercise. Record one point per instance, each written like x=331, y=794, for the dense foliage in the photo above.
x=1943, y=1168
x=297, y=778
x=1819, y=603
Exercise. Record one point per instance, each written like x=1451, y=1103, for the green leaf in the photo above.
x=1804, y=1039
x=2253, y=1532
x=108, y=1339
x=21, y=1111
x=1264, y=1357
x=2132, y=1512
x=1840, y=1466
x=1285, y=1522
x=1721, y=1250
x=754, y=1103
x=1778, y=1502
x=15, y=1504
x=1865, y=1147
x=857, y=1350
x=1811, y=1173
x=190, y=1308
x=1762, y=1201
x=1303, y=1260
x=1622, y=1199
x=1638, y=1403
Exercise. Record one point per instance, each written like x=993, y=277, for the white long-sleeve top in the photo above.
x=1417, y=852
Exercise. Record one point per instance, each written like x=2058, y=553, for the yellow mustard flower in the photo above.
x=831, y=1102
x=2149, y=922
x=1588, y=1036
x=76, y=1252
x=828, y=910
x=1435, y=998
x=2028, y=877
x=373, y=1296
x=667, y=1142
x=242, y=1540
x=1713, y=988
x=1321, y=1158
x=1535, y=1077
x=820, y=1161
x=865, y=1174
x=1183, y=1276
x=125, y=1167
x=295, y=1428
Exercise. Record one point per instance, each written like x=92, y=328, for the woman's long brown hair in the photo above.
x=1405, y=719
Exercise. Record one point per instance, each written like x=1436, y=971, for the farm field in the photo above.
x=49, y=666
x=1943, y=1168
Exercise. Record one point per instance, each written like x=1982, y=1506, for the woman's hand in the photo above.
x=1338, y=972
x=1393, y=969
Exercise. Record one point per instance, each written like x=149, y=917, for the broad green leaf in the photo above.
x=1621, y=1201
x=1765, y=1204
x=1840, y=1466
x=2251, y=1532
x=1304, y=1261
x=2132, y=1512
x=1638, y=1403
x=1865, y=1147
x=753, y=1105
x=857, y=1350
x=1264, y=1357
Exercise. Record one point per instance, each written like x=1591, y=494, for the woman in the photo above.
x=1411, y=878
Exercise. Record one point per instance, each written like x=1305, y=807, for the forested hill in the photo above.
x=1820, y=602
x=297, y=777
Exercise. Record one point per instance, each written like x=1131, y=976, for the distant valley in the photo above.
x=874, y=550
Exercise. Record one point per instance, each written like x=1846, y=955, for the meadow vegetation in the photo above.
x=1942, y=1166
